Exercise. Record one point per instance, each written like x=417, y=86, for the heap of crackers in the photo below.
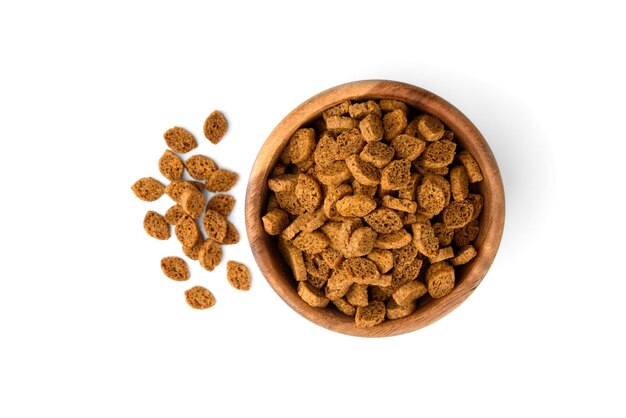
x=201, y=226
x=374, y=207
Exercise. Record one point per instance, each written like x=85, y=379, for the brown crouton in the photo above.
x=187, y=231
x=289, y=202
x=171, y=166
x=192, y=201
x=387, y=105
x=199, y=297
x=174, y=214
x=392, y=240
x=409, y=292
x=364, y=172
x=200, y=167
x=338, y=284
x=337, y=110
x=402, y=205
x=433, y=194
x=457, y=214
x=394, y=123
x=361, y=242
x=471, y=166
x=464, y=255
x=371, y=128
x=355, y=205
x=221, y=181
x=175, y=268
x=429, y=127
x=407, y=147
x=215, y=126
x=312, y=295
x=440, y=279
x=382, y=258
x=326, y=150
x=301, y=146
x=238, y=275
x=458, y=183
x=221, y=203
x=377, y=153
x=210, y=255
x=410, y=272
x=193, y=251
x=180, y=140
x=477, y=201
x=308, y=192
x=363, y=189
x=311, y=242
x=442, y=254
x=361, y=270
x=332, y=257
x=148, y=189
x=444, y=234
x=438, y=154
x=384, y=220
x=361, y=110
x=370, y=315
x=357, y=294
x=395, y=311
x=396, y=175
x=467, y=234
x=294, y=259
x=348, y=143
x=334, y=174
x=344, y=306
x=425, y=240
x=340, y=123
x=156, y=226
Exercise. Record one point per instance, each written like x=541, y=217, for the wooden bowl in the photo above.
x=467, y=135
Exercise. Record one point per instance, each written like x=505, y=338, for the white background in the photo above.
x=89, y=326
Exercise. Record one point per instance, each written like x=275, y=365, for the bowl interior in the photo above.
x=468, y=277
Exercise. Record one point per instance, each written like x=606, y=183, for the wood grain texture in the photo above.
x=467, y=135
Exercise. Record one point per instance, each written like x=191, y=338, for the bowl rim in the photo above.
x=466, y=133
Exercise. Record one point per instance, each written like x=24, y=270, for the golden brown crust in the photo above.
x=459, y=183
x=370, y=315
x=175, y=268
x=210, y=255
x=308, y=192
x=180, y=140
x=438, y=154
x=148, y=189
x=238, y=275
x=457, y=214
x=171, y=166
x=200, y=167
x=464, y=255
x=425, y=240
x=221, y=181
x=396, y=175
x=199, y=297
x=371, y=128
x=156, y=226
x=221, y=203
x=440, y=279
x=192, y=202
x=215, y=126
x=187, y=231
x=364, y=172
x=215, y=225
x=174, y=214
x=378, y=154
x=471, y=166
